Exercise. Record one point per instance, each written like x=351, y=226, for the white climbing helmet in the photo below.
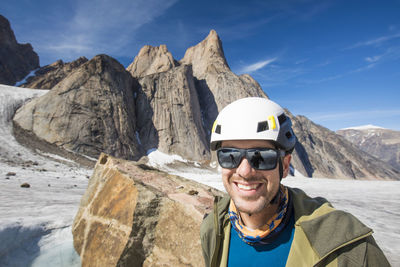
x=253, y=118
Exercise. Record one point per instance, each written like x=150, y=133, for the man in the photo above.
x=262, y=222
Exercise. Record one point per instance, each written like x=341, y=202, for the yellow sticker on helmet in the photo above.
x=214, y=125
x=272, y=125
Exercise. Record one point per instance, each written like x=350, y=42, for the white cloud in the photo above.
x=376, y=41
x=373, y=59
x=256, y=66
x=99, y=26
x=334, y=116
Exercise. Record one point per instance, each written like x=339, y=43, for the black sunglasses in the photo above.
x=259, y=158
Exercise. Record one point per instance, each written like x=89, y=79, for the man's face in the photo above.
x=251, y=190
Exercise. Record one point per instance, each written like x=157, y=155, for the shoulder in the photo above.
x=320, y=214
x=328, y=229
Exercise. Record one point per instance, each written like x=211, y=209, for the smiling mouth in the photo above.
x=248, y=187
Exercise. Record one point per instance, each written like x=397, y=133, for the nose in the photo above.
x=244, y=169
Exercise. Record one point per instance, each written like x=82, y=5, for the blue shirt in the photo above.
x=274, y=254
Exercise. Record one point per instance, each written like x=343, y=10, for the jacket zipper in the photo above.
x=217, y=235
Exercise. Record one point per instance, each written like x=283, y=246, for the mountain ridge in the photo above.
x=170, y=105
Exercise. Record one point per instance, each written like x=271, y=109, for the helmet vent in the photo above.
x=282, y=118
x=218, y=129
x=262, y=126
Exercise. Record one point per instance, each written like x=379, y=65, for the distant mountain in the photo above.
x=16, y=60
x=323, y=153
x=379, y=142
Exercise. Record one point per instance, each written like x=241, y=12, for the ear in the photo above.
x=286, y=165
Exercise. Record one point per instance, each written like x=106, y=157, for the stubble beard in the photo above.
x=253, y=208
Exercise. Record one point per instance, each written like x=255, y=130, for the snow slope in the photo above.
x=35, y=222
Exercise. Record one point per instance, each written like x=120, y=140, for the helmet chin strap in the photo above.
x=276, y=197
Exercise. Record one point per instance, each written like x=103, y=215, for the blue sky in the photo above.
x=336, y=62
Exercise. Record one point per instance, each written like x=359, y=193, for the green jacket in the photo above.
x=323, y=236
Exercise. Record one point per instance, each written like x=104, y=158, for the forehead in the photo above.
x=247, y=143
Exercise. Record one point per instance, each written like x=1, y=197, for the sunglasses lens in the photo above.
x=229, y=158
x=262, y=159
x=259, y=158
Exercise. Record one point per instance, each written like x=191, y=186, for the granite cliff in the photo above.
x=89, y=112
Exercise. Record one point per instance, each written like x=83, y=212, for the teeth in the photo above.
x=247, y=187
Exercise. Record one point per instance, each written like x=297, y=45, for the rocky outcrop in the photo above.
x=131, y=215
x=320, y=152
x=170, y=116
x=382, y=143
x=151, y=60
x=48, y=76
x=91, y=111
x=16, y=60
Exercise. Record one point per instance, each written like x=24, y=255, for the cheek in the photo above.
x=226, y=173
x=272, y=177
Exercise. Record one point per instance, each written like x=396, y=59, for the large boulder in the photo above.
x=132, y=215
x=91, y=111
x=320, y=152
x=48, y=76
x=16, y=60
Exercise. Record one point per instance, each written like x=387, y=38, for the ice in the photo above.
x=158, y=158
x=31, y=74
x=35, y=222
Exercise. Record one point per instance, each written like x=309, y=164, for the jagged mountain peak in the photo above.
x=207, y=56
x=150, y=60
